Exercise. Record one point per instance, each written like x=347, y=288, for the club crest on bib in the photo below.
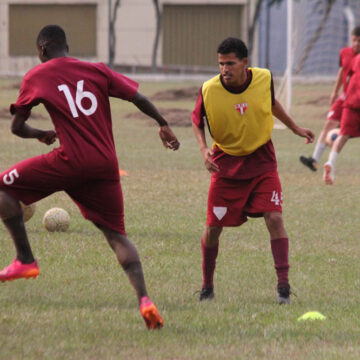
x=241, y=108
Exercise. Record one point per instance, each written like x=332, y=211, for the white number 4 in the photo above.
x=80, y=94
x=275, y=198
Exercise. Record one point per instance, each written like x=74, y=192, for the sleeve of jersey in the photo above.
x=197, y=115
x=121, y=86
x=25, y=101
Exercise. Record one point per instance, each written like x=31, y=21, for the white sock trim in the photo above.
x=318, y=151
x=332, y=158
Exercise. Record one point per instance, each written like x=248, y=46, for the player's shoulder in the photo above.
x=260, y=73
x=34, y=72
x=215, y=80
x=259, y=70
x=348, y=50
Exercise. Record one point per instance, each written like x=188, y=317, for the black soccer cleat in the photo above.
x=309, y=162
x=206, y=293
x=283, y=294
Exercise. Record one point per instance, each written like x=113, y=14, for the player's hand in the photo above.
x=209, y=164
x=306, y=133
x=49, y=137
x=168, y=138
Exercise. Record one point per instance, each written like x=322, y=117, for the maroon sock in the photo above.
x=280, y=251
x=208, y=264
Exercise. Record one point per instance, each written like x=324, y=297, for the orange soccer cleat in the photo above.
x=18, y=270
x=150, y=314
x=328, y=175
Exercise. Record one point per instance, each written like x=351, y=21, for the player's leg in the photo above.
x=108, y=215
x=11, y=215
x=312, y=161
x=24, y=265
x=332, y=122
x=20, y=183
x=349, y=127
x=128, y=258
x=280, y=250
x=266, y=201
x=209, y=250
x=329, y=166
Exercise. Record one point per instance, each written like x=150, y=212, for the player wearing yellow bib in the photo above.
x=238, y=105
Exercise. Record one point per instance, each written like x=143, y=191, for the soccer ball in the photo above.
x=331, y=136
x=28, y=211
x=56, y=219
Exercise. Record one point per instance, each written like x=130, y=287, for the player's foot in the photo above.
x=328, y=174
x=150, y=314
x=283, y=294
x=206, y=293
x=309, y=162
x=18, y=270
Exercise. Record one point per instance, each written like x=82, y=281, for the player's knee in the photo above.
x=212, y=235
x=273, y=220
x=9, y=207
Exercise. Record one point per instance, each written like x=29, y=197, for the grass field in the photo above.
x=82, y=306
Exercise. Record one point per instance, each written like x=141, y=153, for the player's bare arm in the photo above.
x=23, y=130
x=280, y=113
x=337, y=86
x=205, y=151
x=167, y=137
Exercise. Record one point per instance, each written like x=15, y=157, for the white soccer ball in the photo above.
x=331, y=136
x=28, y=211
x=56, y=219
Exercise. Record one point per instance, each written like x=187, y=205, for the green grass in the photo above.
x=82, y=306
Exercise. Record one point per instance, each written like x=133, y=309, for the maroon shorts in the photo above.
x=99, y=200
x=336, y=109
x=350, y=123
x=230, y=202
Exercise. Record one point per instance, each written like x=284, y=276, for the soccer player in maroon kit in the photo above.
x=350, y=121
x=347, y=55
x=85, y=166
x=238, y=106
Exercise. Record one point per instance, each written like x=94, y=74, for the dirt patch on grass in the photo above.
x=189, y=93
x=14, y=86
x=175, y=117
x=5, y=114
x=319, y=101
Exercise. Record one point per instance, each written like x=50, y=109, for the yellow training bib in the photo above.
x=239, y=123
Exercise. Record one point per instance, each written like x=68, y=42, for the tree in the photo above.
x=157, y=35
x=112, y=33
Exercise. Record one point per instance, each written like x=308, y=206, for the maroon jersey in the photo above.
x=352, y=99
x=346, y=56
x=239, y=167
x=76, y=95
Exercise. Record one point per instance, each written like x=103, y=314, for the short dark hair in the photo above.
x=356, y=31
x=52, y=37
x=233, y=45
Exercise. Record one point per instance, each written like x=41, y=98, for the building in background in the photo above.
x=20, y=21
x=191, y=31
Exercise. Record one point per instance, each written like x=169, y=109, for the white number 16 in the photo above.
x=80, y=94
